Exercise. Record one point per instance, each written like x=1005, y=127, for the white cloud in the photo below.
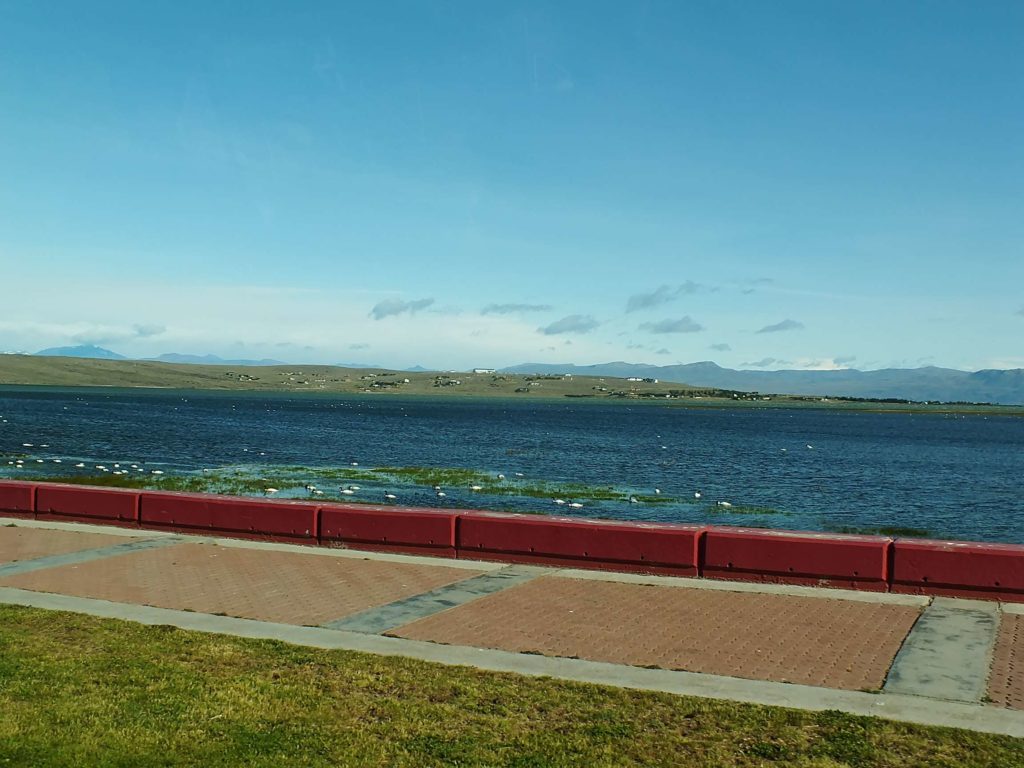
x=785, y=325
x=392, y=307
x=570, y=324
x=682, y=325
x=511, y=309
x=662, y=295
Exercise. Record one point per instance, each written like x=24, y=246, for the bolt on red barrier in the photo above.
x=17, y=499
x=87, y=504
x=278, y=520
x=389, y=529
x=958, y=569
x=600, y=544
x=796, y=557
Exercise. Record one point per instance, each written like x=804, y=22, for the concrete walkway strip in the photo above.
x=353, y=554
x=948, y=653
x=84, y=556
x=377, y=620
x=891, y=706
x=59, y=525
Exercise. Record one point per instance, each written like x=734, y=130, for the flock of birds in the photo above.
x=312, y=490
x=113, y=469
x=439, y=492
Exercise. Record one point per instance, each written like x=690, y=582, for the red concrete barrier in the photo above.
x=230, y=516
x=17, y=499
x=389, y=529
x=958, y=569
x=600, y=544
x=114, y=506
x=792, y=557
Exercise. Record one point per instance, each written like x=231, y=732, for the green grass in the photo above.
x=78, y=690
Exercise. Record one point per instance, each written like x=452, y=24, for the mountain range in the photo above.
x=93, y=352
x=923, y=384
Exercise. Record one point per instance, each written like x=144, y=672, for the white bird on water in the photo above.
x=79, y=465
x=157, y=472
x=634, y=500
x=559, y=501
x=390, y=496
x=723, y=504
x=697, y=494
x=501, y=477
x=657, y=490
x=441, y=494
x=476, y=487
x=269, y=491
x=347, y=491
x=575, y=505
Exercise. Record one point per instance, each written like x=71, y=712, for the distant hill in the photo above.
x=174, y=357
x=85, y=350
x=93, y=352
x=361, y=365
x=924, y=384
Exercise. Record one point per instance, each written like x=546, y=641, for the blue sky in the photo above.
x=790, y=184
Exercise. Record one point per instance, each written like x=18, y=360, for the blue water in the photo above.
x=953, y=476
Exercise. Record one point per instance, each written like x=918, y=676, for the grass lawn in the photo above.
x=78, y=690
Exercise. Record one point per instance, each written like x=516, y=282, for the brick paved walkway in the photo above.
x=1006, y=683
x=17, y=544
x=829, y=639
x=250, y=583
x=808, y=640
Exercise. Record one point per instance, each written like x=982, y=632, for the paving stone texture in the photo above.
x=1006, y=682
x=285, y=587
x=19, y=544
x=782, y=638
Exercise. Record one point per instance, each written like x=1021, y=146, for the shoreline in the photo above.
x=785, y=402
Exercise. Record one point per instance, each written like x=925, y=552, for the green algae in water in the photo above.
x=250, y=480
x=745, y=509
x=917, y=533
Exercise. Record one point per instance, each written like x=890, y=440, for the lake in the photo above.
x=802, y=468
